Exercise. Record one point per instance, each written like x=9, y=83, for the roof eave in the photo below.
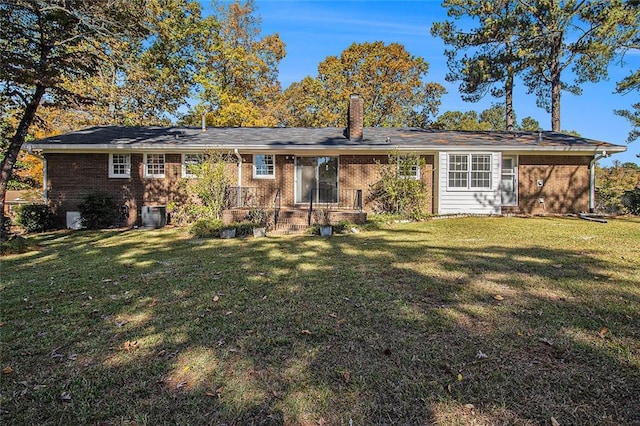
x=171, y=148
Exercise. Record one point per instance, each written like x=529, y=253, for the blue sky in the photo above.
x=315, y=29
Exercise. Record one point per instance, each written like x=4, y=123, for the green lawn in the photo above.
x=455, y=321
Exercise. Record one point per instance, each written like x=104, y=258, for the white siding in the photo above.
x=469, y=201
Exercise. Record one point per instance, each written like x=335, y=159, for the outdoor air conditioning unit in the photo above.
x=74, y=220
x=154, y=216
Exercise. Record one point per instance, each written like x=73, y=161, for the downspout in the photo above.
x=239, y=157
x=592, y=180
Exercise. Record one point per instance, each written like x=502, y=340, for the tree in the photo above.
x=238, y=76
x=572, y=35
x=494, y=60
x=457, y=120
x=492, y=119
x=389, y=78
x=44, y=43
x=146, y=78
x=611, y=184
x=631, y=84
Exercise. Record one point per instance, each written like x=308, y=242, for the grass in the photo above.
x=400, y=325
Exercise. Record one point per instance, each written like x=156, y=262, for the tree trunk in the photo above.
x=11, y=155
x=556, y=83
x=508, y=99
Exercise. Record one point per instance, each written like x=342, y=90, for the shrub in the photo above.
x=397, y=192
x=211, y=184
x=98, y=211
x=4, y=233
x=183, y=214
x=258, y=216
x=35, y=217
x=631, y=201
x=243, y=229
x=206, y=228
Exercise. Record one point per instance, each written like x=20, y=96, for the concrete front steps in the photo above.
x=294, y=221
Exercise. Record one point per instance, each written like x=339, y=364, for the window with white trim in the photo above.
x=188, y=163
x=154, y=165
x=264, y=166
x=481, y=171
x=458, y=171
x=469, y=171
x=119, y=165
x=409, y=171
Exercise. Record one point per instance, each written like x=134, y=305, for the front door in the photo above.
x=509, y=181
x=317, y=176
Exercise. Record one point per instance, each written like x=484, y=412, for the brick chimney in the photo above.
x=355, y=118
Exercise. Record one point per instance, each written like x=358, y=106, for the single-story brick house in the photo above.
x=467, y=172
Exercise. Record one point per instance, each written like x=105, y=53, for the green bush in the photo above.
x=7, y=226
x=397, y=192
x=631, y=201
x=98, y=211
x=243, y=229
x=35, y=217
x=206, y=228
x=188, y=213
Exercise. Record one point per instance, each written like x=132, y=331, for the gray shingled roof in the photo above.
x=305, y=138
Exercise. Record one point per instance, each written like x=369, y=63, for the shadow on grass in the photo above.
x=389, y=327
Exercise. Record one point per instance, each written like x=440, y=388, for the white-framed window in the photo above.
x=264, y=166
x=409, y=171
x=119, y=165
x=469, y=171
x=188, y=163
x=154, y=165
x=458, y=171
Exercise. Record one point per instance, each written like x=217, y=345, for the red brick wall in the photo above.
x=565, y=186
x=362, y=171
x=70, y=177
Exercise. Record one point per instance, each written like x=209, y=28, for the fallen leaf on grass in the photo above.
x=7, y=370
x=603, y=332
x=307, y=332
x=459, y=377
x=130, y=345
x=347, y=376
x=216, y=298
x=498, y=297
x=554, y=422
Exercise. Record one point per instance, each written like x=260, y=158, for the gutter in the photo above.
x=592, y=180
x=284, y=148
